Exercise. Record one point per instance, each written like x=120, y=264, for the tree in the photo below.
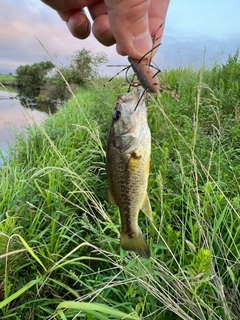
x=82, y=67
x=33, y=76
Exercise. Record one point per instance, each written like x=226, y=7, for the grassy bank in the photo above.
x=60, y=256
x=8, y=80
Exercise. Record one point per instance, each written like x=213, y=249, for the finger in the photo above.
x=71, y=11
x=157, y=18
x=129, y=25
x=79, y=25
x=101, y=27
x=132, y=24
x=66, y=5
x=102, y=32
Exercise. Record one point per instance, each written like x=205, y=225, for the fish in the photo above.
x=127, y=165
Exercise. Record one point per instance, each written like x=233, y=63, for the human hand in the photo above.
x=128, y=23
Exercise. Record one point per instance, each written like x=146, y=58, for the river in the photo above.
x=14, y=118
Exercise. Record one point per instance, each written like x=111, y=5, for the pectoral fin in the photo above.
x=146, y=207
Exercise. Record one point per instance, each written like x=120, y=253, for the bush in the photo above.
x=33, y=76
x=81, y=69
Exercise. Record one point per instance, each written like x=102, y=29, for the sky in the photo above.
x=30, y=31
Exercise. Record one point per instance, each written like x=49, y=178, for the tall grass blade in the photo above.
x=29, y=249
x=96, y=309
x=18, y=293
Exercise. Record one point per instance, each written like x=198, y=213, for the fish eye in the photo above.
x=116, y=115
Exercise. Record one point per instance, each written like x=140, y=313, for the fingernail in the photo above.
x=142, y=44
x=105, y=37
x=83, y=28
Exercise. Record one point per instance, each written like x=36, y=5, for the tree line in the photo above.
x=81, y=68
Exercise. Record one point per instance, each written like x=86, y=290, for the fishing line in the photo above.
x=139, y=100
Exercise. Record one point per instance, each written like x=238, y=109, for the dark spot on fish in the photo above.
x=135, y=156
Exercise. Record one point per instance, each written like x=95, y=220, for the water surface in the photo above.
x=14, y=119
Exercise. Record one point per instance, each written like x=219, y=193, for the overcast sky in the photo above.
x=190, y=27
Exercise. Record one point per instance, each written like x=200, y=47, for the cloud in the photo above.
x=30, y=35
x=30, y=31
x=192, y=51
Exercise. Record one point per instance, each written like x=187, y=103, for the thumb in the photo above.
x=130, y=26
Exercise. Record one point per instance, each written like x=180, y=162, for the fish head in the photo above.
x=129, y=120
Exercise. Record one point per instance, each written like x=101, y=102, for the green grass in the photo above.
x=7, y=79
x=60, y=256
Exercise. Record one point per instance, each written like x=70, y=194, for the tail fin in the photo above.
x=136, y=244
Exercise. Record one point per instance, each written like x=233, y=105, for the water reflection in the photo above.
x=17, y=111
x=27, y=98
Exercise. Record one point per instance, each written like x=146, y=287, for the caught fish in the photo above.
x=127, y=164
